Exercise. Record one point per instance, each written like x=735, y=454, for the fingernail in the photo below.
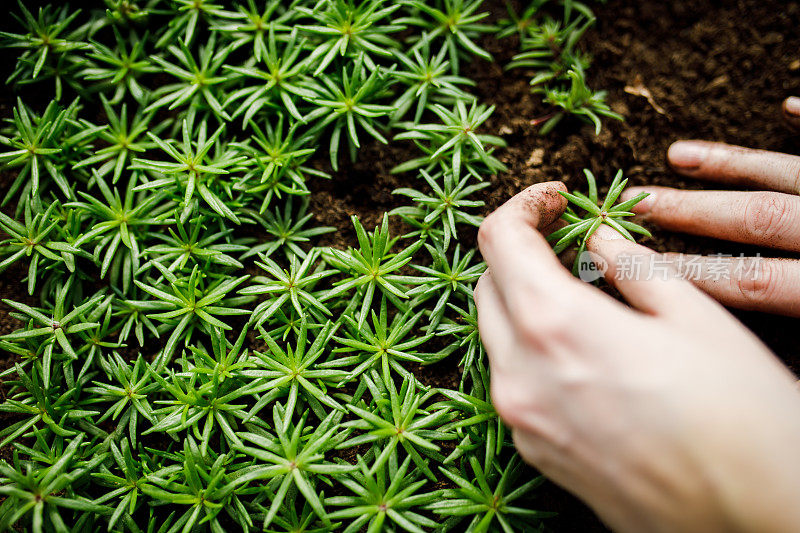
x=791, y=106
x=687, y=155
x=608, y=233
x=645, y=205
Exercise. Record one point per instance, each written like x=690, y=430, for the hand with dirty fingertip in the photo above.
x=639, y=409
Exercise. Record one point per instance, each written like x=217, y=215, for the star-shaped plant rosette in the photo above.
x=581, y=226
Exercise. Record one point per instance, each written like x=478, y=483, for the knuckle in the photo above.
x=760, y=282
x=576, y=377
x=766, y=215
x=487, y=230
x=533, y=451
x=793, y=171
x=551, y=325
x=510, y=401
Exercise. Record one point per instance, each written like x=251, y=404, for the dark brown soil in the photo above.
x=716, y=70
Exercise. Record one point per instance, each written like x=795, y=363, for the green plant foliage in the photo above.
x=456, y=138
x=372, y=267
x=387, y=495
x=44, y=36
x=488, y=492
x=580, y=227
x=455, y=22
x=346, y=101
x=549, y=51
x=199, y=351
x=120, y=67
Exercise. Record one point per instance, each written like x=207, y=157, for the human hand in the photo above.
x=770, y=219
x=668, y=417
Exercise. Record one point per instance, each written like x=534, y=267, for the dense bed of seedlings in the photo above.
x=179, y=374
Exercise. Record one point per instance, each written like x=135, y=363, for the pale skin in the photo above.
x=666, y=414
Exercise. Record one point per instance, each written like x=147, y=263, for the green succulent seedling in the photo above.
x=194, y=242
x=193, y=168
x=279, y=155
x=348, y=27
x=123, y=139
x=455, y=139
x=346, y=101
x=287, y=230
x=446, y=278
x=55, y=327
x=577, y=100
x=492, y=491
x=117, y=224
x=549, y=48
x=36, y=406
x=120, y=67
x=194, y=301
x=129, y=11
x=34, y=493
x=206, y=487
x=447, y=203
x=40, y=239
x=396, y=420
x=293, y=457
x=248, y=24
x=201, y=402
x=187, y=16
x=464, y=334
x=199, y=80
x=46, y=35
x=125, y=477
x=384, y=345
x=386, y=495
x=520, y=23
x=278, y=82
x=429, y=80
x=595, y=213
x=372, y=266
x=294, y=286
x=37, y=148
x=127, y=393
x=455, y=22
x=293, y=371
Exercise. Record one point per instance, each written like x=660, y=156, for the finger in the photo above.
x=652, y=287
x=494, y=325
x=550, y=228
x=567, y=257
x=762, y=218
x=541, y=297
x=791, y=111
x=734, y=165
x=750, y=283
x=516, y=252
